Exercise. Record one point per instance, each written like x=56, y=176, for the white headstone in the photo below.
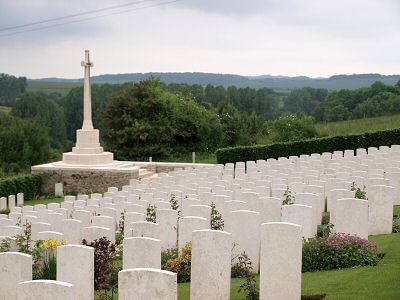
x=147, y=283
x=15, y=267
x=44, y=290
x=245, y=228
x=352, y=217
x=187, y=225
x=280, y=267
x=211, y=265
x=380, y=200
x=168, y=221
x=59, y=189
x=75, y=265
x=141, y=252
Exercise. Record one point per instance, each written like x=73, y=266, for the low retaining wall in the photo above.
x=85, y=181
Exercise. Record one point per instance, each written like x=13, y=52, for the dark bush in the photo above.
x=320, y=145
x=30, y=185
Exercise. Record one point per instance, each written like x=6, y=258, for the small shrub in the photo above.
x=324, y=230
x=326, y=217
x=338, y=251
x=45, y=266
x=396, y=225
x=167, y=255
x=243, y=268
x=105, y=271
x=5, y=245
x=182, y=264
x=216, y=222
x=175, y=204
x=360, y=194
x=289, y=199
x=121, y=227
x=151, y=213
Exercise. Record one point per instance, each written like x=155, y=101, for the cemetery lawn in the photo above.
x=380, y=282
x=44, y=200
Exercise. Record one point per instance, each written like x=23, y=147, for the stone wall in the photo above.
x=84, y=181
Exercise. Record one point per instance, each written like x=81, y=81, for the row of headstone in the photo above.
x=142, y=277
x=11, y=201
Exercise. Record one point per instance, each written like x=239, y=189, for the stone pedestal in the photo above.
x=88, y=150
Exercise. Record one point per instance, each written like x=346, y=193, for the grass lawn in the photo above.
x=44, y=201
x=380, y=282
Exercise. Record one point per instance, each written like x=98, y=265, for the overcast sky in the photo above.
x=248, y=37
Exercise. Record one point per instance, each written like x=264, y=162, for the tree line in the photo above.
x=150, y=118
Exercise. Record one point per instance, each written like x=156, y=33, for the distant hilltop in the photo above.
x=269, y=81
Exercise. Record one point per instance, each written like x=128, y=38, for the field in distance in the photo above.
x=51, y=87
x=358, y=126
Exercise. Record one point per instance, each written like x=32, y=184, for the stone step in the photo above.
x=145, y=174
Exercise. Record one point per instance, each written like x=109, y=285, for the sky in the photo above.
x=316, y=38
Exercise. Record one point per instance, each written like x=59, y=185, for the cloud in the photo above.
x=292, y=37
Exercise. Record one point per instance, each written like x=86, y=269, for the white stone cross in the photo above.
x=87, y=99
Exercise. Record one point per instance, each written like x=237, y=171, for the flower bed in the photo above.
x=338, y=251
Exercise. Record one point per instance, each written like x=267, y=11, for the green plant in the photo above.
x=151, y=213
x=44, y=259
x=5, y=245
x=326, y=217
x=120, y=233
x=338, y=251
x=318, y=145
x=396, y=225
x=289, y=199
x=30, y=185
x=105, y=270
x=175, y=204
x=216, y=222
x=360, y=194
x=182, y=264
x=24, y=240
x=324, y=230
x=167, y=255
x=243, y=267
x=292, y=128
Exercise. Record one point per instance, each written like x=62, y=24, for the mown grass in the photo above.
x=358, y=126
x=44, y=200
x=62, y=88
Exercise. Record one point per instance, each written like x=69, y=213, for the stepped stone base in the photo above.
x=88, y=150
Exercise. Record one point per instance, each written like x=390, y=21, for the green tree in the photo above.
x=23, y=143
x=11, y=87
x=73, y=106
x=147, y=120
x=34, y=105
x=292, y=128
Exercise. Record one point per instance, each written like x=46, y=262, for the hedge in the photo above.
x=319, y=145
x=30, y=185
